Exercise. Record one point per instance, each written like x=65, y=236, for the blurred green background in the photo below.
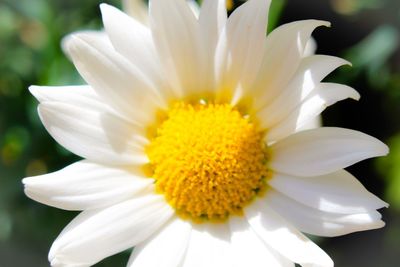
x=366, y=32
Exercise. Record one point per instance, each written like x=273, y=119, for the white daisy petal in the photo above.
x=338, y=192
x=84, y=132
x=134, y=41
x=323, y=150
x=104, y=233
x=209, y=246
x=278, y=234
x=80, y=96
x=283, y=54
x=240, y=45
x=258, y=254
x=307, y=78
x=312, y=124
x=166, y=248
x=115, y=79
x=212, y=20
x=176, y=35
x=316, y=222
x=101, y=36
x=311, y=47
x=324, y=95
x=85, y=185
x=82, y=217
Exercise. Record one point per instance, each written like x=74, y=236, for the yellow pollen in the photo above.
x=208, y=160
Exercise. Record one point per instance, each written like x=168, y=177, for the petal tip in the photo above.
x=385, y=204
x=324, y=23
x=27, y=181
x=104, y=5
x=106, y=9
x=66, y=43
x=356, y=96
x=385, y=149
x=327, y=24
x=379, y=224
x=72, y=43
x=346, y=62
x=34, y=90
x=381, y=149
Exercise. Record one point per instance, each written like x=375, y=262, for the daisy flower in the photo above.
x=194, y=143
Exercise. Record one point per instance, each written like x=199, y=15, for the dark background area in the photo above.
x=365, y=32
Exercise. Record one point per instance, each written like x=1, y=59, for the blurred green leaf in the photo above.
x=275, y=12
x=389, y=167
x=8, y=22
x=39, y=9
x=374, y=51
x=20, y=61
x=371, y=57
x=5, y=225
x=15, y=142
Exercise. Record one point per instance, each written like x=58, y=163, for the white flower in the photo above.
x=193, y=143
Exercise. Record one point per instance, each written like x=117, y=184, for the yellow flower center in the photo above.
x=208, y=160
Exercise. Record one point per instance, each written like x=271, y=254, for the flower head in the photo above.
x=194, y=136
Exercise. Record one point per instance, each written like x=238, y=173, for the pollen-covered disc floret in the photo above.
x=208, y=160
